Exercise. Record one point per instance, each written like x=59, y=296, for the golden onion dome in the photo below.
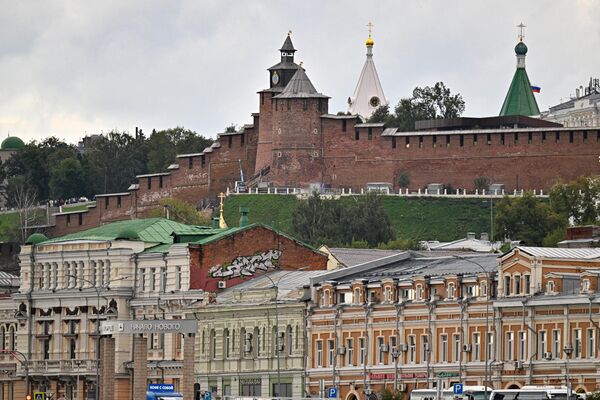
x=370, y=41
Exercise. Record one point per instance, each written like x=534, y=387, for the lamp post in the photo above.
x=275, y=285
x=487, y=320
x=568, y=350
x=97, y=289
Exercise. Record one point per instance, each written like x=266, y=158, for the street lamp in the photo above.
x=97, y=289
x=487, y=319
x=275, y=285
x=568, y=350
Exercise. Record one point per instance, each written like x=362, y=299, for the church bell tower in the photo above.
x=281, y=73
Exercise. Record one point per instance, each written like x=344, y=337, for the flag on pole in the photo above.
x=536, y=89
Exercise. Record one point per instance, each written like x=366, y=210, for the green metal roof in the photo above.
x=520, y=99
x=12, y=143
x=152, y=230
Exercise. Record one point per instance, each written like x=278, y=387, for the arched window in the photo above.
x=550, y=287
x=213, y=343
x=203, y=342
x=451, y=291
x=419, y=292
x=233, y=343
x=388, y=294
x=242, y=341
x=288, y=340
x=297, y=337
x=11, y=338
x=226, y=343
x=357, y=296
x=257, y=340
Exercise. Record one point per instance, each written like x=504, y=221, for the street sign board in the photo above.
x=149, y=326
x=160, y=387
x=207, y=395
x=458, y=388
x=332, y=393
x=39, y=396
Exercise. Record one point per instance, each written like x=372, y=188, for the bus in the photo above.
x=469, y=393
x=533, y=393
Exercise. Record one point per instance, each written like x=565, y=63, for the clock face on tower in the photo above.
x=374, y=101
x=275, y=78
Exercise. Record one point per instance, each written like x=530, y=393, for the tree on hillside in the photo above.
x=530, y=220
x=162, y=146
x=113, y=161
x=579, y=200
x=335, y=222
x=67, y=179
x=428, y=102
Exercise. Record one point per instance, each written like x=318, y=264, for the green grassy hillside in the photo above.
x=412, y=218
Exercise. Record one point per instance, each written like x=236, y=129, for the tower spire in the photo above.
x=368, y=95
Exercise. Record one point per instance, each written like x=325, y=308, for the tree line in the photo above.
x=54, y=169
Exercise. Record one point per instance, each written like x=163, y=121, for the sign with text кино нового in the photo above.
x=149, y=326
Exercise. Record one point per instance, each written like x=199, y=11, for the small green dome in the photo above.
x=35, y=238
x=521, y=49
x=128, y=234
x=12, y=143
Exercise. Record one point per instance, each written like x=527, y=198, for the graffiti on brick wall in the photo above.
x=247, y=265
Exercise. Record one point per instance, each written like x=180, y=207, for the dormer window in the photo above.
x=419, y=292
x=585, y=286
x=325, y=301
x=357, y=296
x=550, y=287
x=388, y=294
x=451, y=291
x=483, y=289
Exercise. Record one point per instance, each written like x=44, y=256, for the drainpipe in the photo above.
x=336, y=344
x=534, y=333
x=368, y=309
x=307, y=314
x=399, y=308
x=430, y=306
x=463, y=305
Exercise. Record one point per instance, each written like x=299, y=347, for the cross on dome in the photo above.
x=521, y=26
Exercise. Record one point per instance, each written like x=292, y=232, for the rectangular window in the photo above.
x=447, y=140
x=160, y=180
x=516, y=137
x=412, y=349
x=489, y=138
x=350, y=351
x=433, y=141
x=190, y=162
x=380, y=350
x=462, y=140
x=517, y=284
x=356, y=134
x=149, y=182
x=420, y=141
x=577, y=343
x=142, y=278
x=163, y=280
x=370, y=133
x=118, y=201
x=557, y=137
x=556, y=350
x=456, y=347
x=344, y=123
x=591, y=342
x=522, y=345
x=242, y=139
x=394, y=142
x=509, y=348
x=152, y=279
x=407, y=142
x=319, y=355
x=543, y=137
x=203, y=160
x=476, y=347
x=502, y=138
x=585, y=136
x=229, y=141
x=424, y=348
x=80, y=218
x=475, y=140
x=362, y=351
x=177, y=278
x=330, y=352
x=393, y=344
x=106, y=202
x=507, y=285
x=527, y=284
x=443, y=348
x=543, y=343
x=529, y=138
x=571, y=137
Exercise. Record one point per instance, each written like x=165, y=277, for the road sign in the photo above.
x=148, y=326
x=207, y=395
x=332, y=393
x=458, y=388
x=39, y=396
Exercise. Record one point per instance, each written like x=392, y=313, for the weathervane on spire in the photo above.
x=290, y=32
x=521, y=36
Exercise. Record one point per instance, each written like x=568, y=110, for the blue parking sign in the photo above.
x=332, y=393
x=458, y=388
x=207, y=395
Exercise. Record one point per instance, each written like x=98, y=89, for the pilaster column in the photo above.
x=188, y=367
x=107, y=377
x=140, y=367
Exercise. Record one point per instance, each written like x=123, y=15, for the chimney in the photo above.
x=470, y=235
x=485, y=236
x=244, y=216
x=215, y=222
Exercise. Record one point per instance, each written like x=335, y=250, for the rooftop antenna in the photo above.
x=521, y=36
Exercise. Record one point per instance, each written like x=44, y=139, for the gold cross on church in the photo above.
x=370, y=26
x=521, y=26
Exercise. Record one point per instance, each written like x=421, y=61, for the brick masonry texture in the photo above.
x=302, y=145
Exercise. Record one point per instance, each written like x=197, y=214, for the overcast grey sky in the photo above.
x=71, y=67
